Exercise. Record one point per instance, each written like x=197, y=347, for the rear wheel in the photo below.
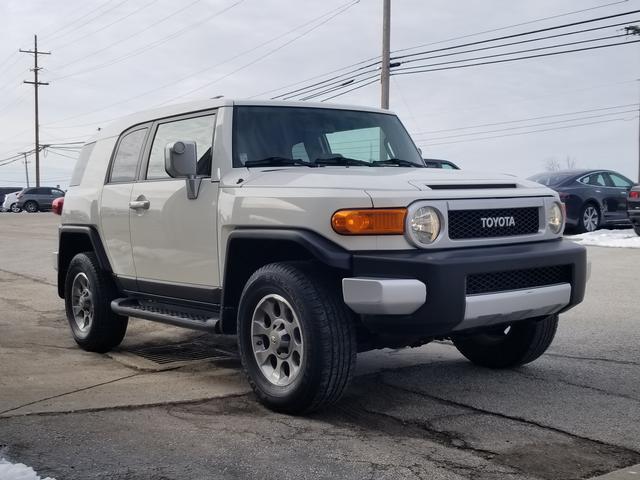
x=31, y=206
x=508, y=346
x=88, y=295
x=589, y=220
x=296, y=338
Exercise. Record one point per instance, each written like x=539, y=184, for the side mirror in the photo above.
x=181, y=161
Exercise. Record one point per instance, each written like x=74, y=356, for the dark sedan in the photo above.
x=634, y=208
x=593, y=198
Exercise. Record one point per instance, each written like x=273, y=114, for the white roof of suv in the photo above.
x=121, y=124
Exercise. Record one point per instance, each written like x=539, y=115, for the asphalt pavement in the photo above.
x=410, y=414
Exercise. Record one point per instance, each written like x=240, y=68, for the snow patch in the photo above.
x=609, y=238
x=18, y=471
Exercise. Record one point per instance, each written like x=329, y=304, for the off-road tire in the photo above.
x=328, y=336
x=524, y=342
x=107, y=329
x=31, y=206
x=581, y=227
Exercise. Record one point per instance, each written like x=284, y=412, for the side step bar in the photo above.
x=177, y=315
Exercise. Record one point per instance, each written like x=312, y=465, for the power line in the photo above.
x=377, y=58
x=516, y=52
x=521, y=41
x=342, y=78
x=515, y=35
x=270, y=52
x=55, y=37
x=584, y=49
x=555, y=122
x=104, y=27
x=191, y=75
x=135, y=34
x=527, y=133
x=523, y=119
x=149, y=46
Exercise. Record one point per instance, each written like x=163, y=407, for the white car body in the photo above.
x=9, y=199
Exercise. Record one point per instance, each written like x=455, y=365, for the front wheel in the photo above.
x=15, y=208
x=296, y=338
x=88, y=295
x=589, y=220
x=508, y=346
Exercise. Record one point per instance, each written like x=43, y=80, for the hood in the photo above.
x=375, y=179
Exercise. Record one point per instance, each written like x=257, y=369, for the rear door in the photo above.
x=114, y=202
x=174, y=238
x=621, y=186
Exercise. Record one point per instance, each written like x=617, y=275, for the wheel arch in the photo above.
x=74, y=239
x=258, y=247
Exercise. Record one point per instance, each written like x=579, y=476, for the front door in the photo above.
x=173, y=237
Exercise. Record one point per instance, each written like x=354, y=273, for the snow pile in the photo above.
x=18, y=471
x=609, y=238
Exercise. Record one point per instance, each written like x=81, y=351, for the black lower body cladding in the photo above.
x=445, y=274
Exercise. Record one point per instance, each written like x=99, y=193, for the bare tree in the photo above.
x=570, y=162
x=552, y=164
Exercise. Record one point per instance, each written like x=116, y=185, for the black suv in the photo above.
x=38, y=199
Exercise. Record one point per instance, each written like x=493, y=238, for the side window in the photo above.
x=125, y=163
x=446, y=166
x=619, y=181
x=198, y=129
x=595, y=179
x=81, y=164
x=57, y=193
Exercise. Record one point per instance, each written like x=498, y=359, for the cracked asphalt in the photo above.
x=410, y=414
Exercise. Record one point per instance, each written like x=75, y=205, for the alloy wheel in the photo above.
x=590, y=218
x=276, y=340
x=82, y=302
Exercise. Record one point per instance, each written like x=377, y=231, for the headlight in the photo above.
x=425, y=224
x=555, y=218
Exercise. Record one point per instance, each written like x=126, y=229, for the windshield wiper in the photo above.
x=396, y=161
x=340, y=160
x=277, y=162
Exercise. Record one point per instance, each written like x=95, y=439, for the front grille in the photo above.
x=516, y=279
x=495, y=222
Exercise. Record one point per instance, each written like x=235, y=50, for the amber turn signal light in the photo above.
x=369, y=221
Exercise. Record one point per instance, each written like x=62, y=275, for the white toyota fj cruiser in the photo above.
x=313, y=232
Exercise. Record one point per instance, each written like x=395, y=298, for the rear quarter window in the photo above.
x=81, y=164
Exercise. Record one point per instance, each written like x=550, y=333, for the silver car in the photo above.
x=10, y=203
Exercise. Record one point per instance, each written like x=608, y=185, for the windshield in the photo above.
x=551, y=179
x=320, y=136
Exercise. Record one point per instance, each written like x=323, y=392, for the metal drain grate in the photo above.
x=196, y=349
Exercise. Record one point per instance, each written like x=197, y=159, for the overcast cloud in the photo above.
x=73, y=106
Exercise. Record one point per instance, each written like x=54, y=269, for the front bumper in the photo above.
x=447, y=306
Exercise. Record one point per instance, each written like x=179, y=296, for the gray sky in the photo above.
x=196, y=48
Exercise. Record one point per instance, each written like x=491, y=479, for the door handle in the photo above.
x=140, y=204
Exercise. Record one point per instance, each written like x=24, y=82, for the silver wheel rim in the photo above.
x=276, y=340
x=30, y=207
x=590, y=219
x=82, y=303
x=14, y=208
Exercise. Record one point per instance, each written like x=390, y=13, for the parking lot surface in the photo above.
x=172, y=404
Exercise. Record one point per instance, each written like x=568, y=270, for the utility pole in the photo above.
x=36, y=84
x=386, y=54
x=26, y=168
